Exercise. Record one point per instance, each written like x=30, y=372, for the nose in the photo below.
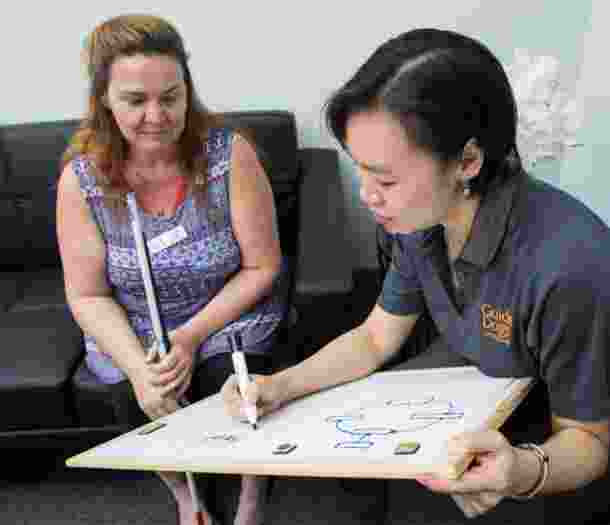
x=155, y=113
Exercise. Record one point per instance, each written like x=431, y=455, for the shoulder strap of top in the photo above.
x=82, y=168
x=91, y=190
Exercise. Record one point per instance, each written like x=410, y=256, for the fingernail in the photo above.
x=424, y=477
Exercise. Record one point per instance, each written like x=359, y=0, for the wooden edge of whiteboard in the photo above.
x=82, y=459
x=503, y=410
x=343, y=470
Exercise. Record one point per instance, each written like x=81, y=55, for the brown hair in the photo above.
x=99, y=137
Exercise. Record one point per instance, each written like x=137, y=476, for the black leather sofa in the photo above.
x=48, y=398
x=51, y=406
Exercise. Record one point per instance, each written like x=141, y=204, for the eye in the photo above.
x=386, y=184
x=172, y=98
x=135, y=101
x=168, y=101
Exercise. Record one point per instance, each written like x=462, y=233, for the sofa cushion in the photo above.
x=93, y=400
x=11, y=220
x=31, y=156
x=275, y=135
x=41, y=289
x=39, y=354
x=31, y=215
x=9, y=289
x=27, y=290
x=33, y=151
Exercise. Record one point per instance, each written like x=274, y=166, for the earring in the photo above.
x=466, y=189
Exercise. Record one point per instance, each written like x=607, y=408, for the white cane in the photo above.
x=161, y=345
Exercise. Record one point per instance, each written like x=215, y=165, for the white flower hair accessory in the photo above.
x=547, y=117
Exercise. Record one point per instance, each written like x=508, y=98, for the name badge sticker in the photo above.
x=167, y=239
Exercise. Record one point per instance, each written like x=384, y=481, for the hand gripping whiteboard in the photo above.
x=351, y=430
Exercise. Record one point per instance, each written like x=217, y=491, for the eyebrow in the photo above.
x=373, y=168
x=140, y=93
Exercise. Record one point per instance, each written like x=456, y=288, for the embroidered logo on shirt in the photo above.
x=497, y=324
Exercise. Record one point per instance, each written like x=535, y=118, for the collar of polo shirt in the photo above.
x=491, y=222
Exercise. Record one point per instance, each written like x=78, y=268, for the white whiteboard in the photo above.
x=347, y=431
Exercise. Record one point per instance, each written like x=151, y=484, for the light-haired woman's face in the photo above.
x=404, y=187
x=148, y=98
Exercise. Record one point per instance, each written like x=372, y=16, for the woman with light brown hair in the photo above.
x=200, y=186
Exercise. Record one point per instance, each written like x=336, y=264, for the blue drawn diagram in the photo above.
x=360, y=428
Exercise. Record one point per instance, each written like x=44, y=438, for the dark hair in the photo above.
x=444, y=88
x=99, y=136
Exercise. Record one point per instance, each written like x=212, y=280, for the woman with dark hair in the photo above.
x=202, y=191
x=489, y=267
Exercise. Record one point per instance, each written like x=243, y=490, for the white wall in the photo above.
x=585, y=172
x=273, y=55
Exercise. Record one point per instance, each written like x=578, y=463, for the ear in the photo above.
x=472, y=160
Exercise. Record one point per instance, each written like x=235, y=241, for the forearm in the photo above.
x=104, y=320
x=346, y=358
x=576, y=458
x=240, y=294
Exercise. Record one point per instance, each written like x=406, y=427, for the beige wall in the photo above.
x=291, y=55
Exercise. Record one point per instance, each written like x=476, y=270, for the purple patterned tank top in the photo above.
x=188, y=274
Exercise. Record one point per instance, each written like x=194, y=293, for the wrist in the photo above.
x=533, y=471
x=186, y=338
x=132, y=363
x=279, y=384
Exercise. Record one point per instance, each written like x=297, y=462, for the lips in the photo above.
x=381, y=219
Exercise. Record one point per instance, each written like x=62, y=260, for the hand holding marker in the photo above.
x=243, y=378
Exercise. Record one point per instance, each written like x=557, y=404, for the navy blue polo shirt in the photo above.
x=534, y=298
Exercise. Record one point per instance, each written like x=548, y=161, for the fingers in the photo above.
x=172, y=380
x=157, y=401
x=180, y=382
x=252, y=393
x=167, y=406
x=181, y=390
x=464, y=505
x=231, y=397
x=473, y=505
x=475, y=443
x=184, y=386
x=150, y=356
x=166, y=363
x=156, y=406
x=266, y=394
x=170, y=371
x=468, y=506
x=257, y=394
x=490, y=453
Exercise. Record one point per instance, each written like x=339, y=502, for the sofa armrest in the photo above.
x=324, y=264
x=9, y=289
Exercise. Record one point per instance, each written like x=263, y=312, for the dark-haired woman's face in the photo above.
x=405, y=188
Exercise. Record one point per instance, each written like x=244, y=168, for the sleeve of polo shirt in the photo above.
x=401, y=293
x=573, y=325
